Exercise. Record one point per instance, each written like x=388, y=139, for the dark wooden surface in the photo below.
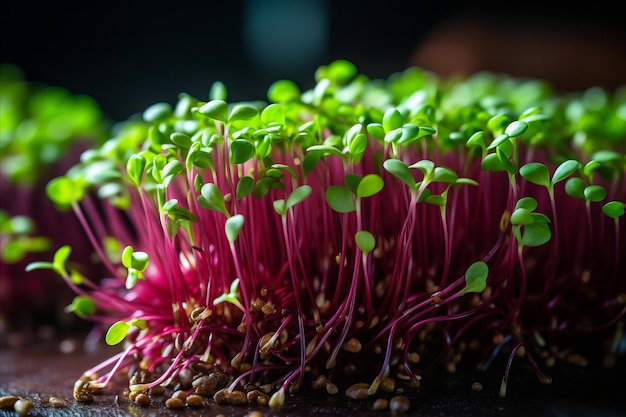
x=39, y=370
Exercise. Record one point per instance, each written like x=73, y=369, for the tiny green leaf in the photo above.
x=339, y=198
x=401, y=171
x=476, y=277
x=211, y=198
x=116, y=333
x=242, y=112
x=369, y=185
x=298, y=195
x=564, y=170
x=365, y=240
x=215, y=109
x=536, y=172
x=595, y=193
x=233, y=227
x=245, y=186
x=614, y=209
x=516, y=128
x=241, y=151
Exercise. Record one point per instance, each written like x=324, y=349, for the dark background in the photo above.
x=128, y=55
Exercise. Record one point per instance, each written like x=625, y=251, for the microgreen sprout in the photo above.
x=395, y=223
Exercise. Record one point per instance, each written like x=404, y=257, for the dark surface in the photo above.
x=40, y=370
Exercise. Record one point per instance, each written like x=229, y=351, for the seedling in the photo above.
x=362, y=225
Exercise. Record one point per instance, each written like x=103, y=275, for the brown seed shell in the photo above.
x=22, y=406
x=358, y=391
x=195, y=400
x=8, y=401
x=174, y=403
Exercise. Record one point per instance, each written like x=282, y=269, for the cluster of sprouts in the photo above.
x=360, y=231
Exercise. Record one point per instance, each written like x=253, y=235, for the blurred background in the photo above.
x=128, y=55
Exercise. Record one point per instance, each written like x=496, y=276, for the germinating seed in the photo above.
x=180, y=394
x=477, y=386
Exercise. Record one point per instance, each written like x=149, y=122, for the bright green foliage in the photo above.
x=476, y=277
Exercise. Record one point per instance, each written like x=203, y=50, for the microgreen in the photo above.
x=357, y=221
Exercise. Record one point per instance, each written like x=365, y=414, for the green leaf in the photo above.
x=283, y=91
x=426, y=166
x=536, y=234
x=181, y=140
x=242, y=112
x=365, y=240
x=280, y=207
x=401, y=171
x=575, y=187
x=127, y=257
x=500, y=140
x=273, y=114
x=370, y=184
x=445, y=175
x=140, y=261
x=245, y=186
x=594, y=193
x=339, y=198
x=325, y=149
x=536, y=172
x=233, y=227
x=211, y=198
x=392, y=120
x=241, y=151
x=82, y=306
x=477, y=139
x=340, y=71
x=215, y=109
x=376, y=130
x=135, y=168
x=521, y=216
x=476, y=277
x=218, y=91
x=298, y=195
x=614, y=209
x=528, y=203
x=116, y=333
x=516, y=128
x=60, y=258
x=64, y=191
x=491, y=163
x=157, y=112
x=564, y=170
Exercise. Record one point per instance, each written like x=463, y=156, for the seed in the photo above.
x=352, y=345
x=477, y=386
x=83, y=398
x=221, y=396
x=195, y=400
x=358, y=391
x=238, y=397
x=142, y=400
x=255, y=413
x=180, y=394
x=8, y=401
x=22, y=406
x=256, y=397
x=57, y=402
x=388, y=384
x=380, y=404
x=319, y=382
x=331, y=388
x=399, y=403
x=174, y=403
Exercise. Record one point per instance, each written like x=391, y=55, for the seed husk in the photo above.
x=380, y=404
x=8, y=401
x=399, y=403
x=174, y=403
x=358, y=391
x=57, y=402
x=142, y=400
x=195, y=400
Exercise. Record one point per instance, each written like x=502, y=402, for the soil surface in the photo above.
x=39, y=370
